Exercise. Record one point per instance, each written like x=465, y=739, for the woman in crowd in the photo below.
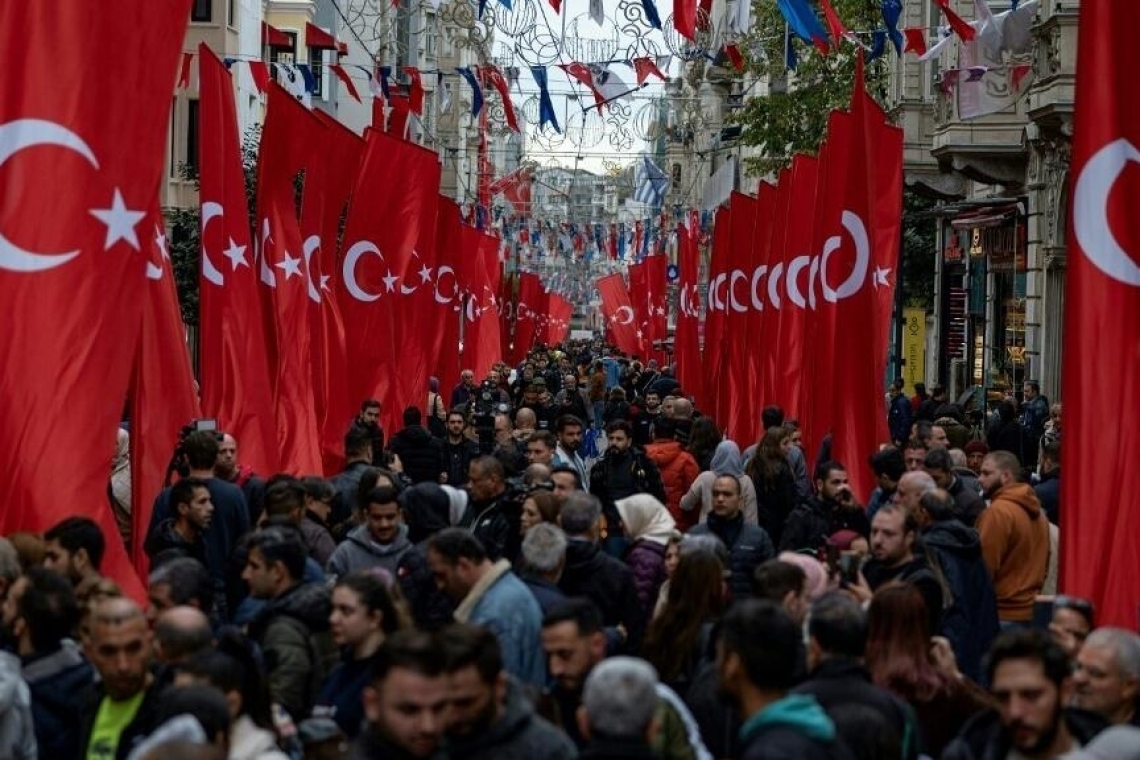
x=901, y=657
x=680, y=639
x=648, y=526
x=726, y=461
x=232, y=669
x=772, y=478
x=366, y=608
x=539, y=506
x=672, y=559
x=703, y=441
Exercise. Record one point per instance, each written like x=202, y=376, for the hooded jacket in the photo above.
x=678, y=471
x=292, y=631
x=57, y=680
x=969, y=616
x=967, y=493
x=420, y=453
x=518, y=734
x=984, y=738
x=648, y=525
x=360, y=552
x=793, y=728
x=608, y=583
x=17, y=731
x=1015, y=546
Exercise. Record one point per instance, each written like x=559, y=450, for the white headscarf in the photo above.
x=647, y=518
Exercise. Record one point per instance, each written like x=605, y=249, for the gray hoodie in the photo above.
x=17, y=732
x=360, y=552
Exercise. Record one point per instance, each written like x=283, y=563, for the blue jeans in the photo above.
x=599, y=407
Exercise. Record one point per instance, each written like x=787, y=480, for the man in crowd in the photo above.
x=1048, y=489
x=489, y=594
x=912, y=486
x=367, y=422
x=380, y=542
x=242, y=476
x=407, y=700
x=490, y=716
x=569, y=400
x=182, y=581
x=1106, y=677
x=493, y=515
x=1031, y=680
x=180, y=634
x=461, y=394
x=420, y=453
x=785, y=584
x=123, y=706
x=569, y=433
x=888, y=466
x=758, y=661
x=565, y=479
x=833, y=509
x=623, y=470
x=898, y=413
x=292, y=627
x=74, y=549
x=966, y=491
x=358, y=458
x=458, y=450
x=646, y=417
x=748, y=545
x=914, y=454
x=184, y=532
x=1015, y=538
x=619, y=710
x=1034, y=415
x=976, y=452
x=540, y=448
x=894, y=532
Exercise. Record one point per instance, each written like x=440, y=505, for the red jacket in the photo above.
x=678, y=471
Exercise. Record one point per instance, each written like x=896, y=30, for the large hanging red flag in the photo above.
x=482, y=346
x=737, y=397
x=618, y=311
x=1099, y=556
x=855, y=277
x=531, y=303
x=393, y=207
x=818, y=369
x=288, y=139
x=561, y=311
x=686, y=338
x=761, y=318
x=713, y=352
x=163, y=397
x=233, y=359
x=655, y=276
x=328, y=183
x=639, y=297
x=453, y=275
x=79, y=165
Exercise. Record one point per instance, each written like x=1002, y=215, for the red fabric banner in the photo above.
x=403, y=180
x=655, y=304
x=639, y=297
x=715, y=310
x=288, y=139
x=736, y=396
x=482, y=346
x=762, y=318
x=774, y=292
x=558, y=327
x=1099, y=524
x=686, y=338
x=531, y=303
x=618, y=311
x=451, y=281
x=163, y=396
x=81, y=165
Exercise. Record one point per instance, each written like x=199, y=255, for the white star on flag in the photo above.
x=325, y=283
x=390, y=281
x=120, y=222
x=160, y=241
x=881, y=277
x=291, y=266
x=236, y=254
x=425, y=273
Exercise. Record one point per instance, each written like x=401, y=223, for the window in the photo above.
x=202, y=11
x=173, y=163
x=430, y=31
x=231, y=12
x=317, y=65
x=192, y=136
x=285, y=55
x=676, y=175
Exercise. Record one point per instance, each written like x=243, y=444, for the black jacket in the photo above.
x=775, y=501
x=838, y=684
x=420, y=454
x=376, y=434
x=616, y=476
x=1049, y=493
x=496, y=524
x=967, y=498
x=458, y=457
x=984, y=738
x=346, y=483
x=606, y=581
x=813, y=521
x=144, y=722
x=57, y=682
x=518, y=734
x=969, y=619
x=748, y=546
x=918, y=573
x=166, y=538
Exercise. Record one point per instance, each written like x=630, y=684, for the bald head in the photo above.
x=118, y=645
x=683, y=409
x=227, y=457
x=115, y=611
x=912, y=486
x=180, y=633
x=525, y=419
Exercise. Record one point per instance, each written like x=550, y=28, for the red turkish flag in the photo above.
x=531, y=303
x=639, y=297
x=561, y=311
x=737, y=396
x=288, y=139
x=818, y=368
x=1099, y=556
x=761, y=318
x=655, y=275
x=772, y=284
x=163, y=395
x=453, y=275
x=619, y=313
x=483, y=344
x=715, y=338
x=686, y=338
x=328, y=183
x=856, y=276
x=79, y=166
x=234, y=364
x=393, y=209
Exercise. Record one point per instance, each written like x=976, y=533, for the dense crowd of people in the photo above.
x=567, y=559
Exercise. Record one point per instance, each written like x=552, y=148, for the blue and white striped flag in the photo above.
x=651, y=183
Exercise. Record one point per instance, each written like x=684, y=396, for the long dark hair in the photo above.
x=703, y=440
x=232, y=666
x=898, y=645
x=379, y=594
x=769, y=459
x=695, y=598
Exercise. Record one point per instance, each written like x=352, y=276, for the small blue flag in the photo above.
x=545, y=105
x=651, y=14
x=477, y=92
x=878, y=44
x=892, y=10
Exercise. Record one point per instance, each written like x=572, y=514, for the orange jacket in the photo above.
x=1015, y=548
x=678, y=471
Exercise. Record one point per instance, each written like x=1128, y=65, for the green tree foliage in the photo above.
x=792, y=116
x=916, y=280
x=182, y=229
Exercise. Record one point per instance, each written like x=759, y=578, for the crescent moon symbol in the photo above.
x=210, y=210
x=757, y=275
x=27, y=133
x=854, y=281
x=349, y=270
x=737, y=275
x=792, y=282
x=623, y=310
x=718, y=303
x=773, y=283
x=439, y=276
x=311, y=246
x=470, y=309
x=154, y=271
x=1090, y=212
x=813, y=273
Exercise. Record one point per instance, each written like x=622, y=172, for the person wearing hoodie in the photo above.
x=649, y=527
x=427, y=509
x=292, y=628
x=421, y=454
x=969, y=619
x=17, y=729
x=40, y=612
x=748, y=545
x=491, y=717
x=380, y=542
x=1015, y=538
x=677, y=466
x=760, y=657
x=726, y=460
